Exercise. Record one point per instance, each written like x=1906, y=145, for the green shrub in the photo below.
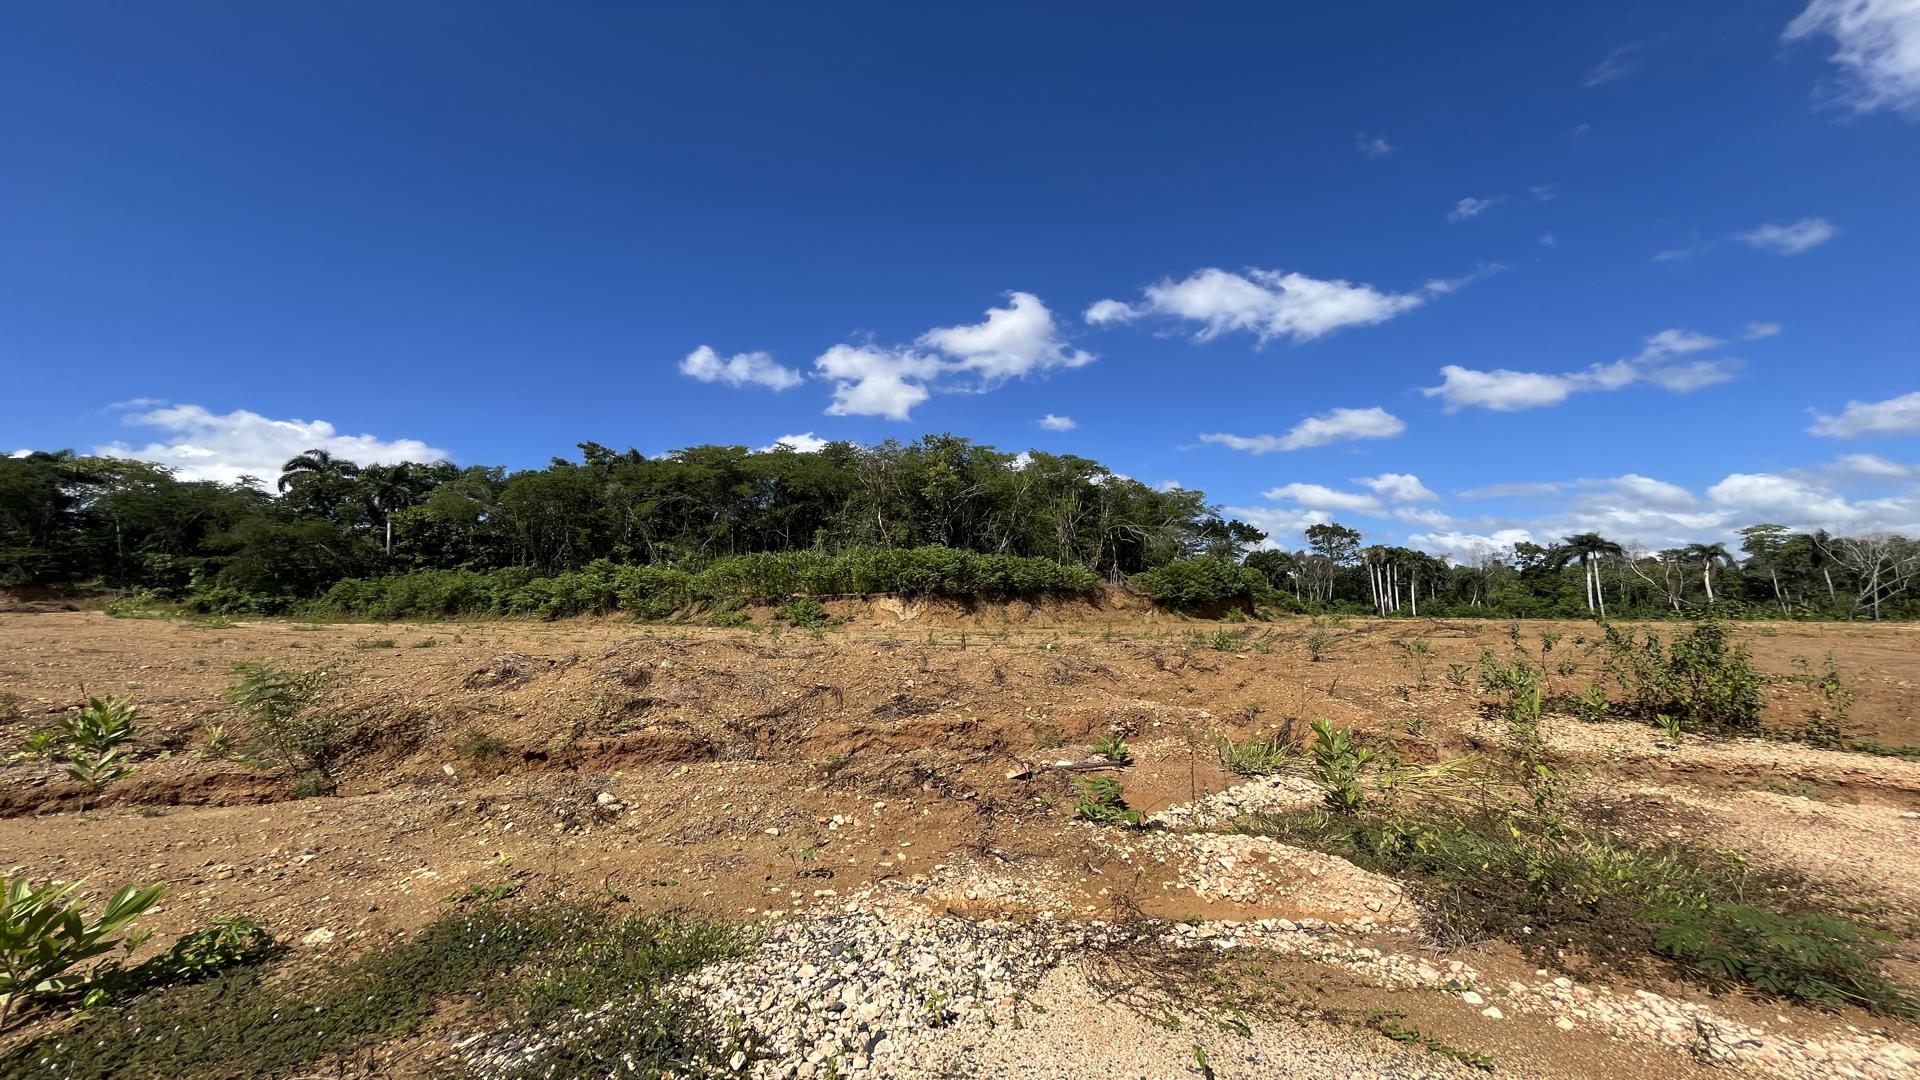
x=1101, y=800
x=1702, y=679
x=1814, y=957
x=293, y=727
x=1196, y=584
x=44, y=936
x=803, y=612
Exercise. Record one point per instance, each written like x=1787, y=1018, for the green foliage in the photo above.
x=522, y=969
x=1114, y=748
x=292, y=725
x=1101, y=800
x=1201, y=584
x=1317, y=641
x=1226, y=641
x=1702, y=679
x=1432, y=1045
x=1565, y=892
x=803, y=612
x=44, y=935
x=1255, y=755
x=1826, y=725
x=89, y=742
x=1338, y=762
x=1813, y=957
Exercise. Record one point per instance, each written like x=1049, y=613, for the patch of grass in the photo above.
x=1568, y=894
x=1114, y=748
x=477, y=745
x=804, y=612
x=374, y=643
x=532, y=968
x=1255, y=755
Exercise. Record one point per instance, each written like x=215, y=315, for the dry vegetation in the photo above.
x=371, y=793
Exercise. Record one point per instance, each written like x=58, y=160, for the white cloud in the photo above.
x=1895, y=416
x=1168, y=485
x=1015, y=341
x=1792, y=238
x=1872, y=465
x=1335, y=425
x=1400, y=487
x=21, y=454
x=1374, y=146
x=1616, y=65
x=1472, y=208
x=1280, y=522
x=740, y=369
x=203, y=445
x=1501, y=390
x=1321, y=497
x=1421, y=515
x=1547, y=240
x=1105, y=312
x=872, y=381
x=1543, y=192
x=1878, y=49
x=1269, y=304
x=1057, y=423
x=1465, y=547
x=1651, y=491
x=1766, y=496
x=1757, y=331
x=803, y=443
x=1505, y=390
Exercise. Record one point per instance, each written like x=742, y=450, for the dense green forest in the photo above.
x=941, y=515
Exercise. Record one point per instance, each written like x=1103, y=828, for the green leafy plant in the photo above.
x=1338, y=762
x=292, y=727
x=44, y=935
x=1702, y=678
x=1813, y=957
x=1114, y=748
x=1101, y=800
x=803, y=612
x=1317, y=641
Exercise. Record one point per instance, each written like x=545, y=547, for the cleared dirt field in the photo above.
x=905, y=762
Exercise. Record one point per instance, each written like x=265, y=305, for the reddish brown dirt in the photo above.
x=488, y=750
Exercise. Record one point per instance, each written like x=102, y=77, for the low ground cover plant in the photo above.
x=530, y=968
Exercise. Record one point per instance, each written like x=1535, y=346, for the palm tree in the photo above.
x=388, y=488
x=1589, y=548
x=315, y=462
x=1707, y=555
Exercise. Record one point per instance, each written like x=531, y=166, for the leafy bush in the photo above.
x=1814, y=957
x=1195, y=584
x=1101, y=800
x=803, y=612
x=1702, y=679
x=292, y=726
x=89, y=742
x=43, y=936
x=1338, y=762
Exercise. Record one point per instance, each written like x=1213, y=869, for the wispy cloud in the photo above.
x=1658, y=362
x=1877, y=48
x=1616, y=65
x=1269, y=304
x=1894, y=416
x=1374, y=146
x=1790, y=239
x=1471, y=207
x=1335, y=425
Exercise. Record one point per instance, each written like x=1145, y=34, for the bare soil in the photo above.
x=762, y=773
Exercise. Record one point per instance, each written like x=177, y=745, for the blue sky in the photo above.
x=1441, y=272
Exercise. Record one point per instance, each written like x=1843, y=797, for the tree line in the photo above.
x=275, y=544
